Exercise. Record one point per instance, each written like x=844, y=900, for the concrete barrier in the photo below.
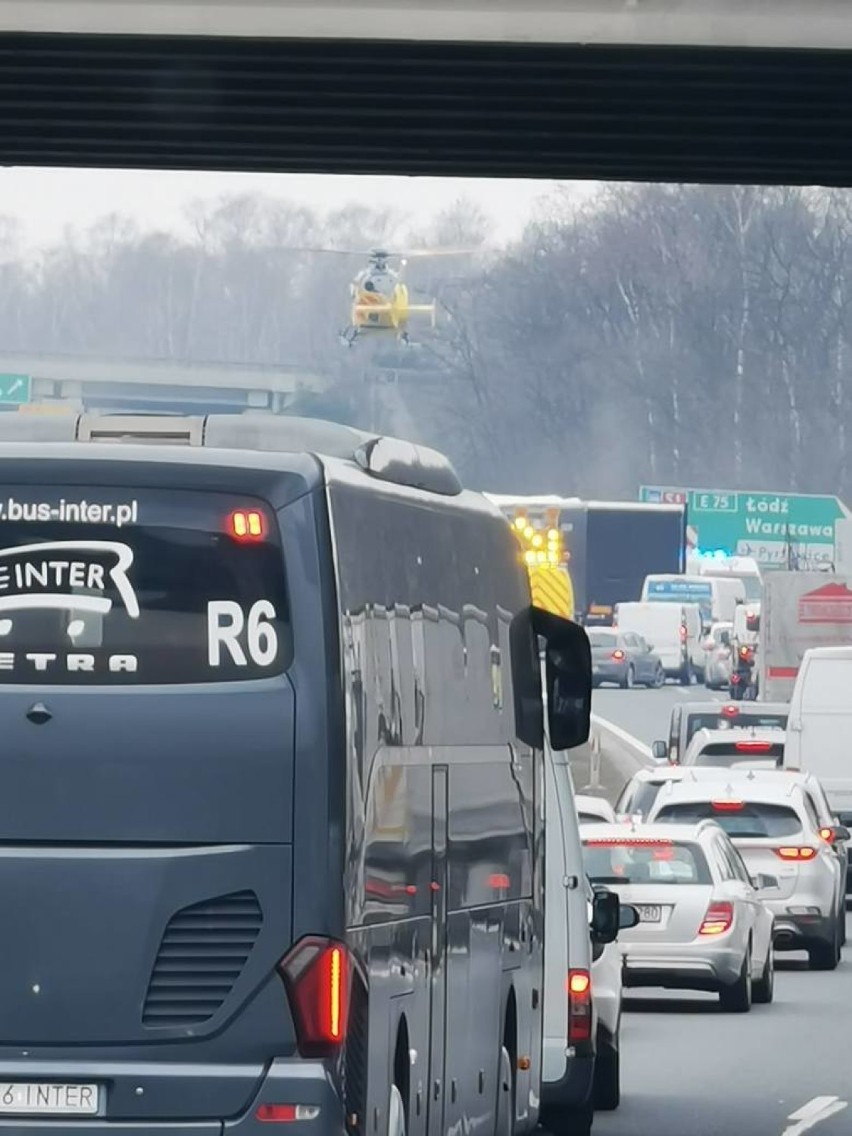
x=610, y=758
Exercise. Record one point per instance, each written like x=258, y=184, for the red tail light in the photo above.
x=728, y=806
x=795, y=852
x=618, y=655
x=286, y=1113
x=730, y=712
x=683, y=633
x=827, y=834
x=718, y=920
x=753, y=747
x=578, y=986
x=316, y=974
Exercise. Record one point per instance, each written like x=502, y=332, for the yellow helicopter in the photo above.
x=379, y=299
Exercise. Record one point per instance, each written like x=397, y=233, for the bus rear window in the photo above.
x=120, y=586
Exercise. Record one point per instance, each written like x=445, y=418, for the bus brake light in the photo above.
x=246, y=524
x=316, y=975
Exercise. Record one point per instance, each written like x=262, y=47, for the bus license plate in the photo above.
x=649, y=912
x=48, y=1099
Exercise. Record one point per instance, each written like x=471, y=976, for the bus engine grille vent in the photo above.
x=203, y=952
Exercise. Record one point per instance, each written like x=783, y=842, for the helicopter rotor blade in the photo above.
x=411, y=254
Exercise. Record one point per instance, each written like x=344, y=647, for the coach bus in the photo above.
x=270, y=786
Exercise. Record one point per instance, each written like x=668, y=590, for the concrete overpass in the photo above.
x=112, y=383
x=707, y=23
x=656, y=90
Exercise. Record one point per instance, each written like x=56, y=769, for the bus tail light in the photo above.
x=316, y=974
x=579, y=989
x=718, y=920
x=247, y=524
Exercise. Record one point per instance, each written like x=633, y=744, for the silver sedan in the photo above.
x=703, y=925
x=624, y=658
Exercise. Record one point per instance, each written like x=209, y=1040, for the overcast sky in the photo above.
x=46, y=201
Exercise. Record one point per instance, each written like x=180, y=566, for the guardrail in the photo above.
x=609, y=742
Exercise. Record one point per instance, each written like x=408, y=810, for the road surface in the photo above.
x=646, y=713
x=689, y=1070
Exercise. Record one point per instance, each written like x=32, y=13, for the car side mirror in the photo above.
x=842, y=833
x=606, y=917
x=725, y=639
x=659, y=751
x=568, y=678
x=649, y=647
x=627, y=917
x=764, y=882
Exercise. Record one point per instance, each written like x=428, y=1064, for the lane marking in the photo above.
x=814, y=1112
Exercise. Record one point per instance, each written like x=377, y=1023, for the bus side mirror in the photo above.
x=568, y=678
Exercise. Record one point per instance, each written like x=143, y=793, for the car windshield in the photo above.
x=645, y=861
x=738, y=818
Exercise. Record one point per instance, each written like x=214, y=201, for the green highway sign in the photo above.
x=770, y=527
x=15, y=390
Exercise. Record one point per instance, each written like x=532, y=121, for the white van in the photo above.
x=819, y=726
x=674, y=632
x=716, y=597
x=580, y=1042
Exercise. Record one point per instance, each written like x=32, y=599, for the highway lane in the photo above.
x=689, y=1070
x=645, y=713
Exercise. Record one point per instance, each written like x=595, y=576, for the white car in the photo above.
x=703, y=923
x=640, y=792
x=739, y=746
x=776, y=830
x=594, y=809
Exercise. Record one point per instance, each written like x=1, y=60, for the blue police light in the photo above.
x=711, y=553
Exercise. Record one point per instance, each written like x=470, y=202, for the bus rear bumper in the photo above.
x=287, y=1084
x=292, y=1082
